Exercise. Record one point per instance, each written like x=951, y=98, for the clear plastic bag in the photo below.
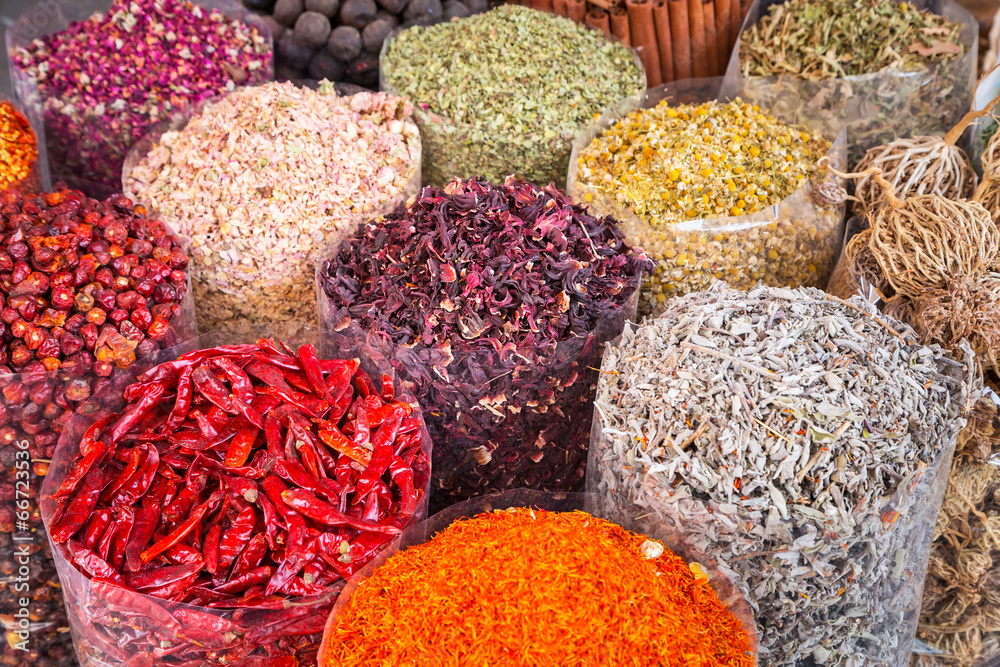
x=498, y=420
x=874, y=108
x=794, y=243
x=234, y=297
x=114, y=627
x=841, y=283
x=33, y=181
x=34, y=409
x=460, y=150
x=423, y=532
x=896, y=529
x=92, y=143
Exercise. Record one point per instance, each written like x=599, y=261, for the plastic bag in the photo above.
x=877, y=551
x=841, y=283
x=114, y=627
x=459, y=150
x=34, y=409
x=32, y=182
x=552, y=502
x=875, y=108
x=92, y=143
x=792, y=244
x=498, y=420
x=253, y=299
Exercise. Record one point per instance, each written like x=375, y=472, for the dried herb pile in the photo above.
x=247, y=480
x=18, y=150
x=505, y=92
x=802, y=441
x=86, y=287
x=105, y=81
x=493, y=300
x=588, y=593
x=826, y=39
x=264, y=179
x=659, y=167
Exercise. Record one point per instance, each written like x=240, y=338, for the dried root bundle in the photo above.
x=862, y=265
x=923, y=242
x=965, y=308
x=917, y=165
x=988, y=192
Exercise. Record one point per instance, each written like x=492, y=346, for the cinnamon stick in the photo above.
x=643, y=32
x=735, y=22
x=661, y=20
x=576, y=9
x=680, y=38
x=699, y=57
x=722, y=42
x=598, y=18
x=559, y=7
x=542, y=5
x=711, y=50
x=619, y=25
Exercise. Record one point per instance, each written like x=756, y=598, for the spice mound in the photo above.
x=803, y=442
x=236, y=479
x=86, y=288
x=828, y=39
x=676, y=176
x=505, y=92
x=494, y=301
x=264, y=179
x=18, y=149
x=588, y=592
x=104, y=81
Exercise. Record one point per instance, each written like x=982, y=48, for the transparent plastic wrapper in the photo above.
x=423, y=532
x=32, y=181
x=841, y=283
x=461, y=150
x=92, y=143
x=517, y=418
x=874, y=108
x=35, y=407
x=114, y=626
x=828, y=586
x=271, y=298
x=795, y=243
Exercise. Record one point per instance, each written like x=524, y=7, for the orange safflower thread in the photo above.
x=18, y=146
x=528, y=587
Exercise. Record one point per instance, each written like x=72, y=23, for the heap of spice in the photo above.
x=494, y=301
x=86, y=287
x=18, y=150
x=802, y=441
x=882, y=69
x=676, y=176
x=828, y=39
x=307, y=166
x=236, y=479
x=588, y=593
x=105, y=81
x=507, y=91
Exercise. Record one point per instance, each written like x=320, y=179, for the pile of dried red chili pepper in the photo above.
x=245, y=481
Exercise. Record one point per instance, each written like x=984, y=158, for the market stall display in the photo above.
x=19, y=161
x=101, y=74
x=493, y=303
x=802, y=441
x=211, y=511
x=87, y=287
x=260, y=210
x=825, y=62
x=505, y=92
x=712, y=191
x=590, y=593
x=341, y=41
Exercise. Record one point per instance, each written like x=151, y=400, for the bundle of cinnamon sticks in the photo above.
x=675, y=39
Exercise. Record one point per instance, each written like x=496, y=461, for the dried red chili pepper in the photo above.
x=251, y=516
